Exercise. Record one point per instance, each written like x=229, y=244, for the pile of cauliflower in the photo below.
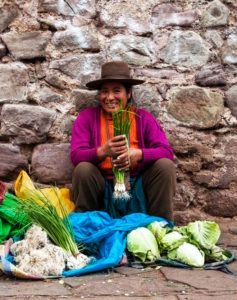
x=36, y=255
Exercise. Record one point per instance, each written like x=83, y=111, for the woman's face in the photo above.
x=112, y=95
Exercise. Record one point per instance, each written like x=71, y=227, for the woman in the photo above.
x=94, y=151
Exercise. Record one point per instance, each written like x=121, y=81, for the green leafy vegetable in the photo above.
x=216, y=253
x=158, y=230
x=188, y=254
x=142, y=243
x=122, y=124
x=40, y=211
x=172, y=240
x=204, y=234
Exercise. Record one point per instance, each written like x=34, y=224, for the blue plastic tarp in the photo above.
x=108, y=234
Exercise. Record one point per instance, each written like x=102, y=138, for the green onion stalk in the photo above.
x=121, y=124
x=40, y=211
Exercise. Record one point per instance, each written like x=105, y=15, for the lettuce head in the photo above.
x=188, y=254
x=172, y=240
x=216, y=253
x=204, y=234
x=142, y=244
x=158, y=230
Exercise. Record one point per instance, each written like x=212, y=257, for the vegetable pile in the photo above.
x=39, y=210
x=193, y=244
x=36, y=255
x=49, y=246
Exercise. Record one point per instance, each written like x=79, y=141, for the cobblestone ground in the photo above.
x=130, y=283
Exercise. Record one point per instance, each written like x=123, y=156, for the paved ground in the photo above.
x=129, y=283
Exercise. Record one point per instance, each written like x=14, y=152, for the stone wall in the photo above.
x=186, y=50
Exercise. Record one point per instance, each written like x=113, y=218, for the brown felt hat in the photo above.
x=114, y=71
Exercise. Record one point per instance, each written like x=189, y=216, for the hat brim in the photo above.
x=96, y=84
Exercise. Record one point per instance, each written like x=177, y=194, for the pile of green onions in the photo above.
x=121, y=124
x=40, y=211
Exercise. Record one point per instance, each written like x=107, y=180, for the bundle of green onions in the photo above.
x=122, y=124
x=40, y=211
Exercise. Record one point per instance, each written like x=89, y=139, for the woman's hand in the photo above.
x=135, y=156
x=122, y=162
x=122, y=156
x=128, y=159
x=114, y=148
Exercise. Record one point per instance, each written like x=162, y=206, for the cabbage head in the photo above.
x=172, y=240
x=188, y=254
x=142, y=244
x=158, y=230
x=204, y=234
x=214, y=254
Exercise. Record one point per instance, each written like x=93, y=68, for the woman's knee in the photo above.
x=162, y=172
x=84, y=170
x=165, y=166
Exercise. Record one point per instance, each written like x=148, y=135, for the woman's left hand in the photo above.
x=122, y=162
x=128, y=159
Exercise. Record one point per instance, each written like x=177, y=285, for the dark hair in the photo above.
x=127, y=86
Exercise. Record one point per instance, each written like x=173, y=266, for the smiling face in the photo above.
x=112, y=95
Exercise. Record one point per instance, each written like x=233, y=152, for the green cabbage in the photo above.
x=188, y=254
x=204, y=234
x=142, y=243
x=216, y=253
x=172, y=240
x=158, y=230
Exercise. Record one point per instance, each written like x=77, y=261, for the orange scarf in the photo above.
x=107, y=132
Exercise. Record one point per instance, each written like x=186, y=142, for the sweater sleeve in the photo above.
x=83, y=145
x=155, y=143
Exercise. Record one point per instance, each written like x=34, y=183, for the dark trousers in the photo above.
x=159, y=182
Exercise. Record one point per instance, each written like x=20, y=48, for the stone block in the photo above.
x=27, y=45
x=84, y=37
x=212, y=75
x=185, y=48
x=11, y=162
x=7, y=15
x=84, y=98
x=231, y=99
x=196, y=107
x=26, y=124
x=84, y=67
x=14, y=78
x=135, y=16
x=134, y=50
x=51, y=164
x=170, y=15
x=216, y=14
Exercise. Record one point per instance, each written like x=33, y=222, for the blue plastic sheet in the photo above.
x=108, y=234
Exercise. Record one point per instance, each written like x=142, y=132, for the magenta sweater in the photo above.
x=86, y=137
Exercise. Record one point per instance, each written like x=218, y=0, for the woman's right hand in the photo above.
x=113, y=148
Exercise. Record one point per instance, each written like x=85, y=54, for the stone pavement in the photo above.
x=129, y=283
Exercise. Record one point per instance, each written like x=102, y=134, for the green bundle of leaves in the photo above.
x=121, y=124
x=40, y=211
x=121, y=121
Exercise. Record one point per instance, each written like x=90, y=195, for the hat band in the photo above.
x=115, y=77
